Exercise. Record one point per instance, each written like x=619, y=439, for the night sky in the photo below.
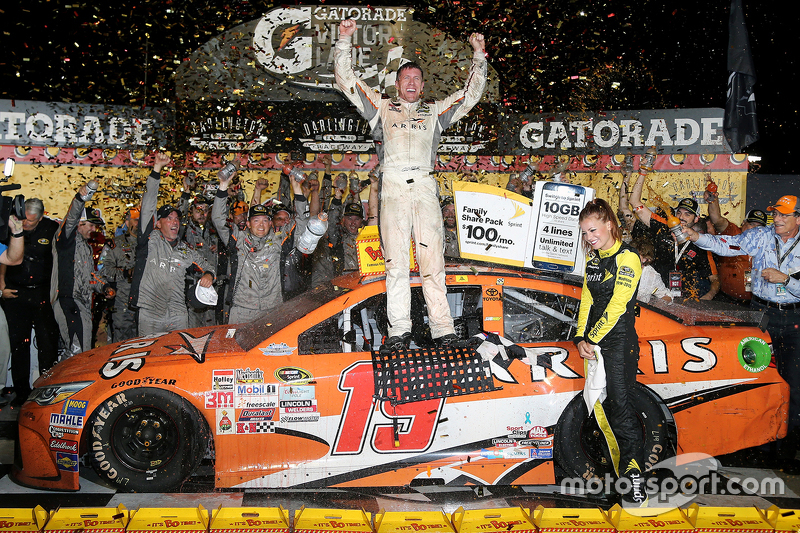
x=557, y=56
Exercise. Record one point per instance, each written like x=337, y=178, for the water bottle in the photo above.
x=647, y=161
x=527, y=175
x=316, y=228
x=295, y=173
x=91, y=188
x=227, y=171
x=341, y=181
x=354, y=181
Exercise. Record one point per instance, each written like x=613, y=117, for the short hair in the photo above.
x=34, y=206
x=644, y=246
x=410, y=64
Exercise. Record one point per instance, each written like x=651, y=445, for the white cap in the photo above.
x=206, y=295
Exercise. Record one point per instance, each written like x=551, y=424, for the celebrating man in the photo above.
x=409, y=129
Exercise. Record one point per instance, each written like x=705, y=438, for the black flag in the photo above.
x=740, y=126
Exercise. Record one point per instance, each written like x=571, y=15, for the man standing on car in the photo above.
x=410, y=129
x=162, y=262
x=776, y=290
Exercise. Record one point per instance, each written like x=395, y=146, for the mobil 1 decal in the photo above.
x=556, y=242
x=493, y=223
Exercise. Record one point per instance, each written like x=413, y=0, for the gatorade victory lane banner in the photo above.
x=499, y=226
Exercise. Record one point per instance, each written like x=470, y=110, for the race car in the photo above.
x=304, y=396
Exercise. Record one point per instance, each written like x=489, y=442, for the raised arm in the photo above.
x=219, y=211
x=16, y=244
x=356, y=91
x=642, y=212
x=720, y=222
x=147, y=208
x=372, y=204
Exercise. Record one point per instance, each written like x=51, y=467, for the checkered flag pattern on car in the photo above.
x=404, y=376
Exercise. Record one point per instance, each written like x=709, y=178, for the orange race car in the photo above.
x=303, y=397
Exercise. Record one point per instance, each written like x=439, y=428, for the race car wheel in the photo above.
x=580, y=448
x=146, y=440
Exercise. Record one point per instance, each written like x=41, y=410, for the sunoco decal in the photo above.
x=291, y=374
x=67, y=461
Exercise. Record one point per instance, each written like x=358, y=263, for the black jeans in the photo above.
x=31, y=309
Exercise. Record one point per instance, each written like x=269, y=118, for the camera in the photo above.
x=10, y=206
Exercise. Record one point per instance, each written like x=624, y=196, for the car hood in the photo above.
x=178, y=346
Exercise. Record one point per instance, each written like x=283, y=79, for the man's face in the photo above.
x=86, y=228
x=409, y=84
x=200, y=213
x=259, y=225
x=133, y=224
x=240, y=219
x=686, y=217
x=280, y=219
x=30, y=221
x=352, y=223
x=449, y=216
x=785, y=225
x=169, y=226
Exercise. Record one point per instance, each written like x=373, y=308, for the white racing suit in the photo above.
x=409, y=202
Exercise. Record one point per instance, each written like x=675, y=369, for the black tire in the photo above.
x=146, y=440
x=579, y=446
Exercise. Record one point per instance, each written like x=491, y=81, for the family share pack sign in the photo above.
x=499, y=226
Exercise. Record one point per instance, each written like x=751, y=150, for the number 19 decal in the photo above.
x=413, y=424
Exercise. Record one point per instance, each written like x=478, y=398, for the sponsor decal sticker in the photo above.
x=256, y=415
x=58, y=433
x=224, y=423
x=300, y=417
x=249, y=376
x=297, y=392
x=538, y=432
x=257, y=389
x=256, y=402
x=222, y=380
x=219, y=399
x=66, y=421
x=278, y=349
x=244, y=428
x=62, y=445
x=67, y=461
x=75, y=407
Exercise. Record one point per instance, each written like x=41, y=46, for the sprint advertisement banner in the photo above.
x=499, y=226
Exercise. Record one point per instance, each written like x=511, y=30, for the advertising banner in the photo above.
x=499, y=226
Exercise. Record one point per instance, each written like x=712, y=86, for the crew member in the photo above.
x=410, y=129
x=118, y=262
x=162, y=262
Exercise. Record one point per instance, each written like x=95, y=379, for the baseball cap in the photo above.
x=690, y=205
x=756, y=215
x=93, y=216
x=786, y=205
x=258, y=210
x=166, y=210
x=238, y=208
x=202, y=200
x=202, y=296
x=353, y=210
x=445, y=201
x=134, y=212
x=278, y=206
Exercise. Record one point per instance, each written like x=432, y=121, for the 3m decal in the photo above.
x=219, y=400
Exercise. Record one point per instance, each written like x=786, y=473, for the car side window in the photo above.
x=536, y=316
x=362, y=327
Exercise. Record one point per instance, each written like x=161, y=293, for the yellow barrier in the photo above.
x=501, y=520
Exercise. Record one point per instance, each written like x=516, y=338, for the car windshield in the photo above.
x=253, y=333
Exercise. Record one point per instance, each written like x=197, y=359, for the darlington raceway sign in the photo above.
x=499, y=226
x=26, y=123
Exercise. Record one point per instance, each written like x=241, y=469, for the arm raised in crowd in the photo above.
x=642, y=212
x=372, y=204
x=219, y=211
x=150, y=197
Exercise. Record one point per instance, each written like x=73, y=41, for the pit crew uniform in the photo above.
x=409, y=203
x=205, y=240
x=77, y=281
x=780, y=303
x=118, y=262
x=606, y=319
x=256, y=282
x=158, y=288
